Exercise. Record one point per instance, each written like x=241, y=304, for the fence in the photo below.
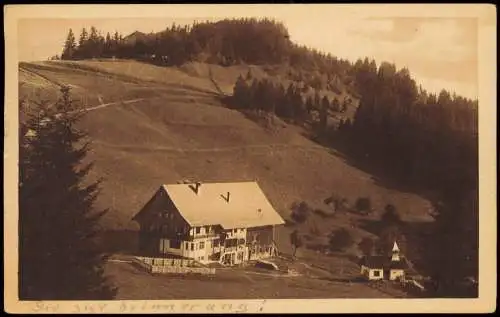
x=168, y=261
x=175, y=266
x=182, y=270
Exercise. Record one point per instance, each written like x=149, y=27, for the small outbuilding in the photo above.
x=380, y=267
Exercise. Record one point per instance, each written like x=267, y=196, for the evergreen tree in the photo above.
x=317, y=100
x=108, y=43
x=69, y=46
x=452, y=255
x=323, y=113
x=241, y=93
x=84, y=37
x=58, y=255
x=93, y=46
x=309, y=105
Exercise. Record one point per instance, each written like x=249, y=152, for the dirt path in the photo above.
x=115, y=103
x=35, y=73
x=267, y=147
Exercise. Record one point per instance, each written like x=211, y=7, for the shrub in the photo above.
x=363, y=205
x=300, y=212
x=390, y=216
x=340, y=239
x=320, y=213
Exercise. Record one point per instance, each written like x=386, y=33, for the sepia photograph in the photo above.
x=232, y=155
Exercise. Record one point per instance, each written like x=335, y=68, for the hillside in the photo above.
x=160, y=125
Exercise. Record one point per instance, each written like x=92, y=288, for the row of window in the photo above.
x=201, y=245
x=208, y=229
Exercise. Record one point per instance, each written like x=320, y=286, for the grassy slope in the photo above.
x=181, y=131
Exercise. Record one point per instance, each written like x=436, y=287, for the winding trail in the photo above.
x=104, y=105
x=268, y=147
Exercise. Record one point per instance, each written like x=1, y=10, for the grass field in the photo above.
x=179, y=129
x=242, y=283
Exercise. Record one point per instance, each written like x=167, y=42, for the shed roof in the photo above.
x=230, y=204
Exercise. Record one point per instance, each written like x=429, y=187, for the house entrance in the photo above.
x=229, y=258
x=387, y=274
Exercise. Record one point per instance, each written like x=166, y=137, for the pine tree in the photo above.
x=84, y=36
x=323, y=113
x=108, y=43
x=93, y=41
x=453, y=247
x=309, y=106
x=69, y=46
x=81, y=51
x=240, y=93
x=58, y=255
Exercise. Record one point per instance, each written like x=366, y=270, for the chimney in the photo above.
x=195, y=187
x=226, y=198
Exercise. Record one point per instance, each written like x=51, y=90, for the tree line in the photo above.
x=263, y=94
x=225, y=42
x=429, y=142
x=424, y=140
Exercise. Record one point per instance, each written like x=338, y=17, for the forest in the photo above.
x=425, y=141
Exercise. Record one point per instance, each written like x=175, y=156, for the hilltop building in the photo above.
x=229, y=223
x=385, y=267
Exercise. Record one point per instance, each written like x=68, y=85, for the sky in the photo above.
x=439, y=52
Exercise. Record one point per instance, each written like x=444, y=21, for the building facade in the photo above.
x=384, y=267
x=229, y=223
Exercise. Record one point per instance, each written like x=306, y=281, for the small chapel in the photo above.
x=379, y=267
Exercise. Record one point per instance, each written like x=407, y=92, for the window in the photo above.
x=202, y=245
x=197, y=230
x=175, y=244
x=187, y=245
x=376, y=273
x=164, y=229
x=192, y=246
x=215, y=243
x=231, y=243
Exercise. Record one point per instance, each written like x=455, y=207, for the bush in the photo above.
x=321, y=213
x=300, y=212
x=390, y=216
x=340, y=239
x=364, y=205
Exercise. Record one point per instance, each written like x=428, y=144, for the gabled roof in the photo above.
x=246, y=206
x=383, y=262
